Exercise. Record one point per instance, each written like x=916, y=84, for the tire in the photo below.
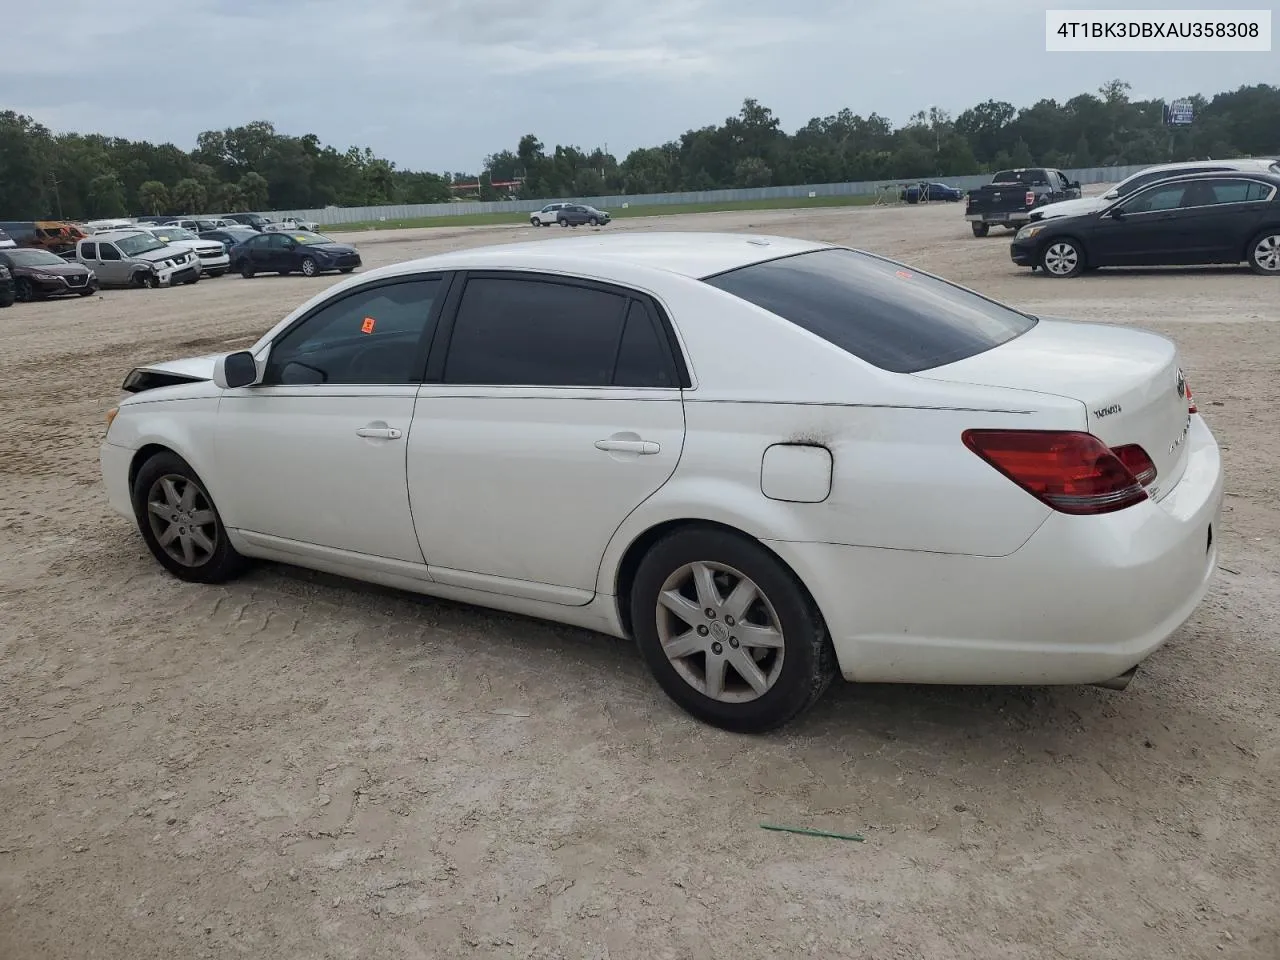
x=309, y=267
x=6, y=302
x=594, y=221
x=246, y=269
x=345, y=269
x=563, y=222
x=144, y=279
x=183, y=505
x=980, y=229
x=23, y=292
x=1062, y=257
x=1264, y=253
x=86, y=293
x=794, y=671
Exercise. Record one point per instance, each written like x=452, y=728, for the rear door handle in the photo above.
x=628, y=446
x=379, y=433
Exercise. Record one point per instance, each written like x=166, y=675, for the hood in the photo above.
x=54, y=269
x=168, y=373
x=1071, y=208
x=332, y=247
x=163, y=253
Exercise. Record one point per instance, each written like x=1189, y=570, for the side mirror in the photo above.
x=235, y=370
x=1075, y=184
x=1117, y=213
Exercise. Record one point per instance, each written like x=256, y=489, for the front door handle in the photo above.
x=379, y=432
x=628, y=446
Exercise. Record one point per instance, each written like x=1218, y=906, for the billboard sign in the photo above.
x=1179, y=113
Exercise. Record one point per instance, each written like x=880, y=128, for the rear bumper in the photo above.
x=1016, y=216
x=1084, y=600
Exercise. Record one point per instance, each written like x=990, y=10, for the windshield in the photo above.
x=880, y=311
x=308, y=238
x=170, y=234
x=35, y=258
x=139, y=243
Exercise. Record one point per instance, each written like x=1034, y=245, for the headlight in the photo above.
x=44, y=276
x=1029, y=231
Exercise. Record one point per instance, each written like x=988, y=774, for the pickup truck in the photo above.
x=1007, y=201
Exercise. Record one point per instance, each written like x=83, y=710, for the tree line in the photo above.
x=256, y=167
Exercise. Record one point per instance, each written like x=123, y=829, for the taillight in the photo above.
x=1191, y=401
x=1136, y=462
x=1071, y=472
x=1031, y=198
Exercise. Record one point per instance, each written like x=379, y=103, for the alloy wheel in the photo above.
x=1061, y=259
x=720, y=632
x=1266, y=254
x=182, y=519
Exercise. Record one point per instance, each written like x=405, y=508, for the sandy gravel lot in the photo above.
x=294, y=766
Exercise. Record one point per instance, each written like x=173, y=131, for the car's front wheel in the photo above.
x=246, y=269
x=1264, y=253
x=180, y=523
x=309, y=267
x=728, y=631
x=23, y=290
x=1062, y=258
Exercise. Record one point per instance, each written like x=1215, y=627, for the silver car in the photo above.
x=134, y=258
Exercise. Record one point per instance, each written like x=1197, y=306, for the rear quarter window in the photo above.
x=882, y=312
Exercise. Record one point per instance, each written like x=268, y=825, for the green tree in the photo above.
x=106, y=196
x=189, y=195
x=153, y=197
x=254, y=189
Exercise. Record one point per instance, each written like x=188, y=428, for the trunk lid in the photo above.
x=1128, y=380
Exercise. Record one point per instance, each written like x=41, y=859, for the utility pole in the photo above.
x=57, y=197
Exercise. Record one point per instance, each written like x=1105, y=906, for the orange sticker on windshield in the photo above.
x=367, y=326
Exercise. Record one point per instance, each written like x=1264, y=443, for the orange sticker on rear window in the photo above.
x=367, y=326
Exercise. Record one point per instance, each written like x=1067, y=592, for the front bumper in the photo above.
x=1082, y=601
x=115, y=461
x=61, y=285
x=219, y=263
x=1023, y=253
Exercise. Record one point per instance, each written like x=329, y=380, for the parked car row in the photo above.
x=1195, y=213
x=569, y=215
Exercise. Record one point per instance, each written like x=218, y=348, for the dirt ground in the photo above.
x=294, y=766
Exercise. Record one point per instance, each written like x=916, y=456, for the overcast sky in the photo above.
x=438, y=84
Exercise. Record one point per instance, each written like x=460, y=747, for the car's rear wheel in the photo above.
x=980, y=229
x=180, y=523
x=563, y=222
x=1264, y=253
x=309, y=267
x=728, y=631
x=1062, y=258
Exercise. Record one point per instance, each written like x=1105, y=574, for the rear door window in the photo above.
x=889, y=315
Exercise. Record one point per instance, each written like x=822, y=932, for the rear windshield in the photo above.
x=1020, y=176
x=882, y=312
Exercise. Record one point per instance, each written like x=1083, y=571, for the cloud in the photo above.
x=438, y=84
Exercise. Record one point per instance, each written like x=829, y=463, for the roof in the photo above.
x=1243, y=163
x=115, y=234
x=688, y=254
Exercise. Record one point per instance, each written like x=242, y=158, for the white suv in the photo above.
x=547, y=215
x=214, y=261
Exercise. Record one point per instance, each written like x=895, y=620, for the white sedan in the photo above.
x=766, y=460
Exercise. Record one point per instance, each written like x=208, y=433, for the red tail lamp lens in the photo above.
x=1071, y=472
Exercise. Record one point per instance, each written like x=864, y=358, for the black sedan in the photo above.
x=284, y=253
x=229, y=236
x=916, y=192
x=1213, y=218
x=38, y=273
x=577, y=214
